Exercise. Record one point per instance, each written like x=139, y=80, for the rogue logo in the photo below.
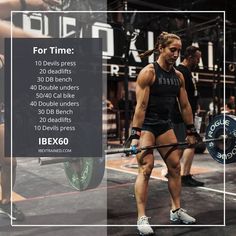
x=217, y=124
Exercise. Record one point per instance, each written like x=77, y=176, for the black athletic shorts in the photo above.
x=159, y=127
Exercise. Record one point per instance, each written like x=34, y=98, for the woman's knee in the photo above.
x=174, y=168
x=146, y=170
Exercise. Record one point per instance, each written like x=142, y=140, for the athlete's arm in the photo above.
x=5, y=32
x=185, y=106
x=191, y=136
x=6, y=6
x=144, y=81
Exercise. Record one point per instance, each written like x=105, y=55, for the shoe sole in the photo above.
x=182, y=222
x=141, y=234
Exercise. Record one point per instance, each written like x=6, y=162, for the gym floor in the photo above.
x=52, y=206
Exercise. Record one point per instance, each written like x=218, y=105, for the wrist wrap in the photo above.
x=135, y=133
x=191, y=130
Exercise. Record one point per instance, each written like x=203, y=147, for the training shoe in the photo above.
x=181, y=216
x=17, y=215
x=143, y=226
x=189, y=181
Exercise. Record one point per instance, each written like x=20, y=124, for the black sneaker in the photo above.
x=17, y=215
x=189, y=181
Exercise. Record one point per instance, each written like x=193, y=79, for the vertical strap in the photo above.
x=170, y=151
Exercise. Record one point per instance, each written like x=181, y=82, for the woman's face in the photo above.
x=171, y=52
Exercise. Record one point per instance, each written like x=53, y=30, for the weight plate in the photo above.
x=85, y=173
x=214, y=130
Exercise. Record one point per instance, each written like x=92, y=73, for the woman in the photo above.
x=158, y=87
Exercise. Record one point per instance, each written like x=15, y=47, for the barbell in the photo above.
x=220, y=141
x=87, y=172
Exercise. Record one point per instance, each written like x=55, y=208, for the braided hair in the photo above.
x=164, y=39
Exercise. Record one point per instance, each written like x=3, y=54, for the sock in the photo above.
x=175, y=210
